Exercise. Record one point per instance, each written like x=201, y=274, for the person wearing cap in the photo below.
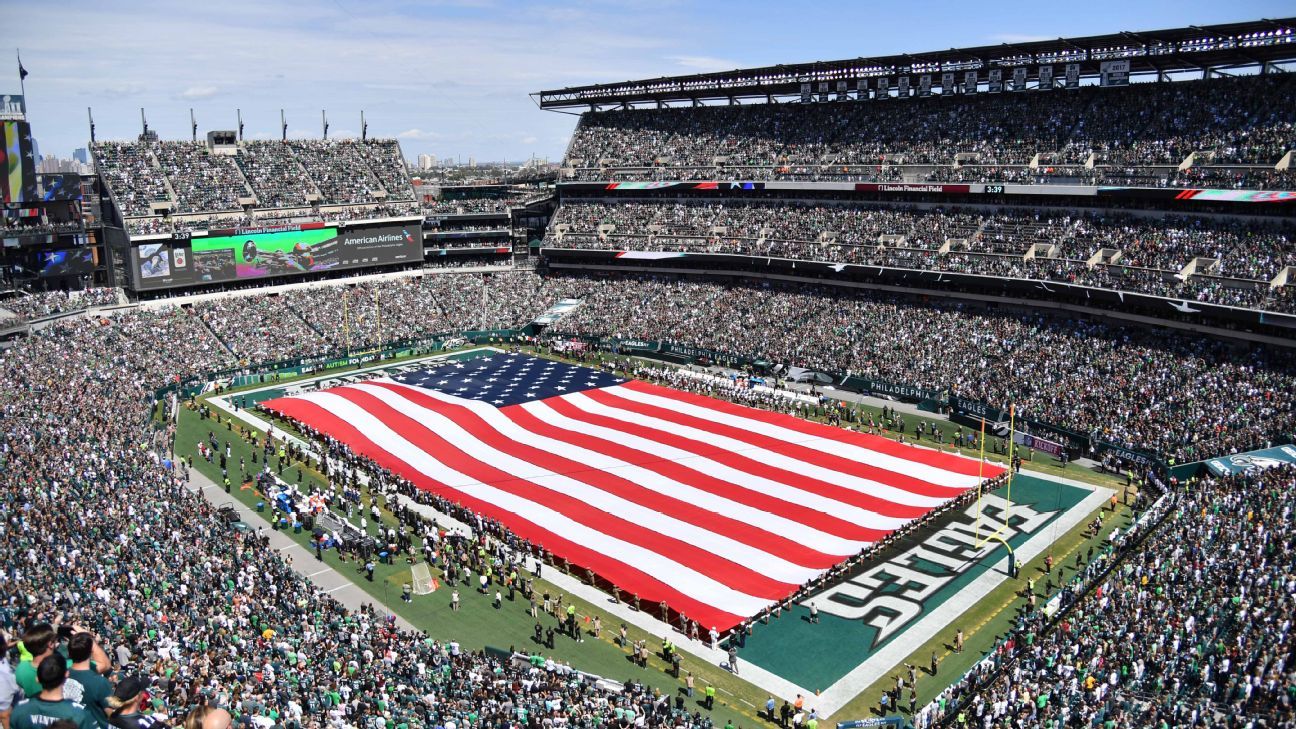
x=49, y=705
x=125, y=702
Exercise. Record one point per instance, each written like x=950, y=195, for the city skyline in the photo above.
x=453, y=78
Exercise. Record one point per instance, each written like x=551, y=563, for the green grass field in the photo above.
x=478, y=624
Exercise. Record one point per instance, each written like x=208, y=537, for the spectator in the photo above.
x=49, y=705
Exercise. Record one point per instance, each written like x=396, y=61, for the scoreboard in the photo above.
x=242, y=254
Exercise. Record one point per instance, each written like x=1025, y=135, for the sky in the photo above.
x=453, y=77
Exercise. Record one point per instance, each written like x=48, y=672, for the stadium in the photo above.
x=940, y=389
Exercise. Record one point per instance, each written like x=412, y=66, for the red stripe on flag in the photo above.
x=789, y=449
x=947, y=461
x=737, y=576
x=610, y=482
x=631, y=580
x=834, y=492
x=736, y=492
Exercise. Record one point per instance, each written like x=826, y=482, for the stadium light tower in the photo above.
x=239, y=113
x=143, y=121
x=324, y=118
x=364, y=127
x=90, y=115
x=283, y=126
x=193, y=126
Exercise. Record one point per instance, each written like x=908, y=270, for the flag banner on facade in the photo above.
x=717, y=509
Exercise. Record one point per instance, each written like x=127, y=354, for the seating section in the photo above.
x=201, y=180
x=26, y=307
x=1235, y=121
x=1154, y=247
x=338, y=169
x=388, y=165
x=279, y=174
x=132, y=174
x=275, y=175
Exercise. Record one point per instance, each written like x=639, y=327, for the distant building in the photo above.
x=80, y=155
x=52, y=165
x=427, y=161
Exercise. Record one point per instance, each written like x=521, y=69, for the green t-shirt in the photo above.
x=38, y=714
x=25, y=675
x=93, y=693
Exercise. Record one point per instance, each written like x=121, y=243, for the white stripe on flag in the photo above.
x=916, y=469
x=845, y=480
x=775, y=489
x=772, y=565
x=685, y=579
x=757, y=518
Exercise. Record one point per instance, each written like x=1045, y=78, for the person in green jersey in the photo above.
x=49, y=705
x=85, y=685
x=39, y=642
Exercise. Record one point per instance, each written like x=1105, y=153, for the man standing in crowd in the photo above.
x=85, y=685
x=48, y=705
x=37, y=643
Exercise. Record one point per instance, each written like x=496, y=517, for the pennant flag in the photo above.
x=717, y=509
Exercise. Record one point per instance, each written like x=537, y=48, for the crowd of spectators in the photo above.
x=1193, y=628
x=339, y=170
x=1149, y=390
x=854, y=233
x=28, y=306
x=410, y=309
x=105, y=544
x=202, y=180
x=473, y=205
x=388, y=164
x=274, y=174
x=187, y=224
x=222, y=623
x=278, y=174
x=132, y=174
x=1226, y=121
x=37, y=225
x=335, y=214
x=260, y=328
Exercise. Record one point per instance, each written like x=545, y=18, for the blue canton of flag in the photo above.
x=508, y=379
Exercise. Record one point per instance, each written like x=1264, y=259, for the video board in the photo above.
x=18, y=159
x=245, y=254
x=66, y=262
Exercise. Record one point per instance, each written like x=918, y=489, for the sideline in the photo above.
x=326, y=579
x=827, y=702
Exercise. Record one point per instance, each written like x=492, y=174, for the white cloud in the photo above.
x=417, y=133
x=704, y=63
x=199, y=92
x=529, y=139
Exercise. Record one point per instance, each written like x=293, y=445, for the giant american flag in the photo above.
x=717, y=509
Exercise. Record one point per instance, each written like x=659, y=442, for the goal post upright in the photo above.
x=998, y=533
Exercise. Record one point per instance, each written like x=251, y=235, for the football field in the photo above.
x=922, y=589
